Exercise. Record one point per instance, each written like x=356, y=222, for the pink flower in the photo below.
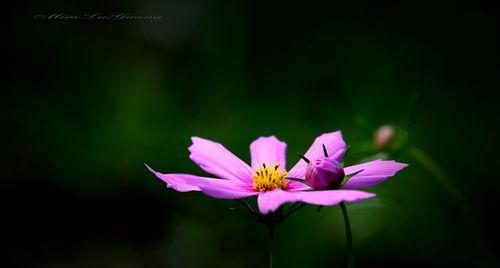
x=267, y=175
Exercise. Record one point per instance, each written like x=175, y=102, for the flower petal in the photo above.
x=224, y=189
x=335, y=147
x=332, y=197
x=217, y=188
x=271, y=200
x=215, y=159
x=297, y=186
x=176, y=181
x=268, y=150
x=374, y=172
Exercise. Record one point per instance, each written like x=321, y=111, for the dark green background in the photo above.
x=88, y=102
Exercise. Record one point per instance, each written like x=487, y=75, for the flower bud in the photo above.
x=383, y=137
x=324, y=173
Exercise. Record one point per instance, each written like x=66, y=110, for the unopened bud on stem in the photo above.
x=383, y=137
x=324, y=173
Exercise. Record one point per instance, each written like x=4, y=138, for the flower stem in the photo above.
x=270, y=229
x=348, y=234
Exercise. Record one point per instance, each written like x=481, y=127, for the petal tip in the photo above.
x=149, y=168
x=333, y=133
x=268, y=138
x=358, y=196
x=400, y=165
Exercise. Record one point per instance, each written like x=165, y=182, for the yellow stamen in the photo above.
x=267, y=178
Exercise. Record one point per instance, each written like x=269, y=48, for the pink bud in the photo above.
x=324, y=173
x=383, y=137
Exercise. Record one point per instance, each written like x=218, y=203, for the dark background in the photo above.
x=86, y=103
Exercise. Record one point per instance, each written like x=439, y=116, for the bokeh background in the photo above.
x=87, y=102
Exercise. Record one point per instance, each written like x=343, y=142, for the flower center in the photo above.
x=267, y=178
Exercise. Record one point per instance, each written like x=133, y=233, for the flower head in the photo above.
x=267, y=176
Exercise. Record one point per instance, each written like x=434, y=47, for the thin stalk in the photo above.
x=348, y=235
x=270, y=229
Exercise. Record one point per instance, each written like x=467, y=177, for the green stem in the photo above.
x=348, y=234
x=270, y=229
